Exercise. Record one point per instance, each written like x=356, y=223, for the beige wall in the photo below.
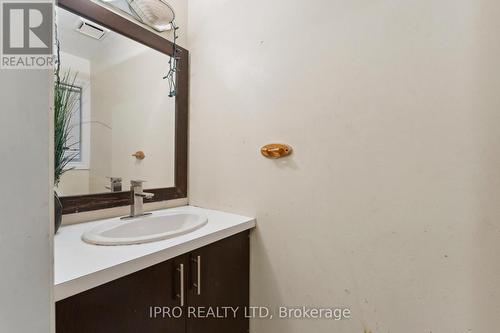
x=390, y=203
x=74, y=182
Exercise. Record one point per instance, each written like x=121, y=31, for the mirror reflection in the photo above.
x=122, y=121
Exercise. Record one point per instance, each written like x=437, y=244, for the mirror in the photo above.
x=122, y=109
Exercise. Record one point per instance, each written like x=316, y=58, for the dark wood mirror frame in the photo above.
x=126, y=27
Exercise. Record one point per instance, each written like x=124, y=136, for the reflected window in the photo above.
x=74, y=146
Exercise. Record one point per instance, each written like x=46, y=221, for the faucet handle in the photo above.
x=145, y=195
x=114, y=179
x=137, y=182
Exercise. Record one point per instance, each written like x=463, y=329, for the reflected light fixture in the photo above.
x=157, y=14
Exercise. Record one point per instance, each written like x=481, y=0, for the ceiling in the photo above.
x=76, y=43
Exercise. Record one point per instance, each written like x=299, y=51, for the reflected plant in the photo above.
x=65, y=101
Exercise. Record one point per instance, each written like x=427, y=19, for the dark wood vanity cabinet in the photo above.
x=123, y=305
x=224, y=276
x=214, y=278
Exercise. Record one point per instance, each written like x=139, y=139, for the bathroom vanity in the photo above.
x=170, y=271
x=165, y=286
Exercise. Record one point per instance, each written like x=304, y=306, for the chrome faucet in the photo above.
x=137, y=197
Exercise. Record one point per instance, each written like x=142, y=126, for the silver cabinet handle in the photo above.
x=198, y=283
x=181, y=277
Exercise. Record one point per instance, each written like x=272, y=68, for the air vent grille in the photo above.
x=91, y=30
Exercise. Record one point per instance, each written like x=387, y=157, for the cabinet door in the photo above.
x=219, y=277
x=124, y=305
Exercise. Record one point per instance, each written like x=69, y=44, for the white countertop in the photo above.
x=80, y=266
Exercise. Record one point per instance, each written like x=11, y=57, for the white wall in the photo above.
x=389, y=204
x=26, y=204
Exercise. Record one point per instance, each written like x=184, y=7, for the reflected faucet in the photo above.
x=115, y=184
x=137, y=197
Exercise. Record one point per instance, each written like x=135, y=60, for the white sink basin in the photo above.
x=149, y=228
